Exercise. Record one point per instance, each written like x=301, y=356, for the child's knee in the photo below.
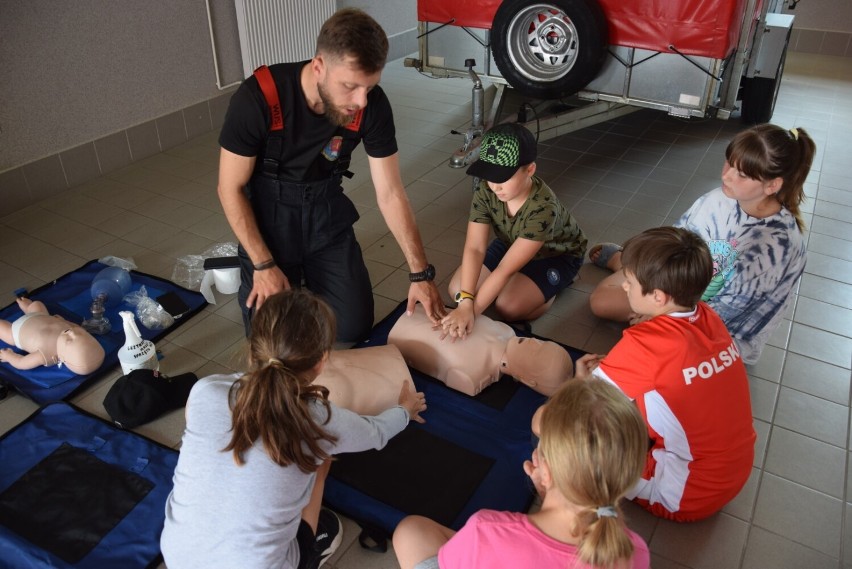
x=597, y=302
x=609, y=302
x=405, y=530
x=507, y=309
x=511, y=308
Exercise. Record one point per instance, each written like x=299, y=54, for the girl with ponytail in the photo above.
x=591, y=452
x=257, y=447
x=753, y=226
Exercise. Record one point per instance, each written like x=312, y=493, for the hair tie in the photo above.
x=606, y=512
x=274, y=361
x=795, y=133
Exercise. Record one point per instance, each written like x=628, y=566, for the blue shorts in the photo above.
x=550, y=275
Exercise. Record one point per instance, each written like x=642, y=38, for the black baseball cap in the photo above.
x=503, y=150
x=143, y=395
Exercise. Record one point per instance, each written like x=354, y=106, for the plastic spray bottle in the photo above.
x=136, y=353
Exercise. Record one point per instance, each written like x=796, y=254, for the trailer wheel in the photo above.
x=760, y=94
x=550, y=49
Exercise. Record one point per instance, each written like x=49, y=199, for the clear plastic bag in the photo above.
x=227, y=249
x=148, y=311
x=126, y=264
x=189, y=269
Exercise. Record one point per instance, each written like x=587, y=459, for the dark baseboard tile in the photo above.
x=197, y=119
x=144, y=141
x=14, y=193
x=172, y=130
x=80, y=164
x=45, y=177
x=113, y=151
x=25, y=185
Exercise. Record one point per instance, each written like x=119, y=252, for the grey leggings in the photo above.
x=431, y=563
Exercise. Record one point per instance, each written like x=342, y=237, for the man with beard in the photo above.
x=286, y=142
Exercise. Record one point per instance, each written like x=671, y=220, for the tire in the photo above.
x=549, y=49
x=760, y=94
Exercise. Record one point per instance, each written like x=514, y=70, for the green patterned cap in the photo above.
x=503, y=150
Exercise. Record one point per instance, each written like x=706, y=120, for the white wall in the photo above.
x=76, y=71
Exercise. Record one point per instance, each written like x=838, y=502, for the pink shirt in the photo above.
x=507, y=539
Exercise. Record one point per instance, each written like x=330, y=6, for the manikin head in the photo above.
x=542, y=365
x=78, y=350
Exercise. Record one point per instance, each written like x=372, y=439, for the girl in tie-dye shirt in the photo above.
x=753, y=227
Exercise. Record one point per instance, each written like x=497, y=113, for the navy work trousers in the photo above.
x=308, y=229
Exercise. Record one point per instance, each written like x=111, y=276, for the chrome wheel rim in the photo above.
x=542, y=42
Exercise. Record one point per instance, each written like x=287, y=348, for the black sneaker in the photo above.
x=329, y=536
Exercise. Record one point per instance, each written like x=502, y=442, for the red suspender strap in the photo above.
x=355, y=125
x=270, y=93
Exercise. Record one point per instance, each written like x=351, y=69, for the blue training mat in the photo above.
x=495, y=436
x=69, y=296
x=114, y=520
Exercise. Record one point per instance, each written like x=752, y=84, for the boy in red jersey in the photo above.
x=685, y=373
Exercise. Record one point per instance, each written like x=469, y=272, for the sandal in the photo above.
x=605, y=251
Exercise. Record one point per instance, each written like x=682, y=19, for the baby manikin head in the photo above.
x=79, y=351
x=543, y=366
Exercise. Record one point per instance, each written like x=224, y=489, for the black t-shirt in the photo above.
x=306, y=134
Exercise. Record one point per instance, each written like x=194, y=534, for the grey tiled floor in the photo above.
x=618, y=178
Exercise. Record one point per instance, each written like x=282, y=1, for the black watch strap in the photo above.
x=268, y=264
x=425, y=275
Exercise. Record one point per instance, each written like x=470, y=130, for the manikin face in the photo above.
x=343, y=87
x=738, y=186
x=78, y=350
x=518, y=186
x=543, y=365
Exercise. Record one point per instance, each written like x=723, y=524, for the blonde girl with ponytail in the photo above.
x=257, y=447
x=591, y=453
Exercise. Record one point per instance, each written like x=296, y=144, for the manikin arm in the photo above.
x=21, y=361
x=28, y=306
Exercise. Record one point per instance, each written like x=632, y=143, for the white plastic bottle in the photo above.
x=136, y=353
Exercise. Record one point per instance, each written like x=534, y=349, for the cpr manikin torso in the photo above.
x=49, y=340
x=472, y=364
x=365, y=380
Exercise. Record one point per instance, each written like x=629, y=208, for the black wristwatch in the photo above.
x=425, y=275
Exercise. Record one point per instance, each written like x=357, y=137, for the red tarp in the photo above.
x=707, y=28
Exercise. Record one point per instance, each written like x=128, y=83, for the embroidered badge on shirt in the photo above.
x=332, y=150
